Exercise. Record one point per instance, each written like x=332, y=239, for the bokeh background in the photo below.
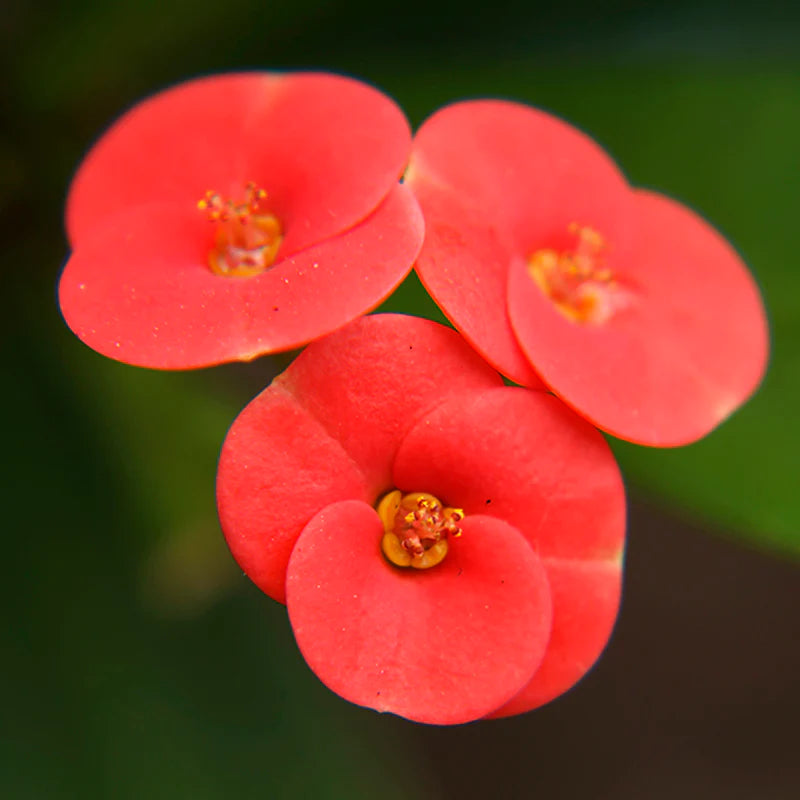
x=136, y=659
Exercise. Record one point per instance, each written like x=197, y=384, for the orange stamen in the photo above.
x=247, y=237
x=577, y=281
x=416, y=528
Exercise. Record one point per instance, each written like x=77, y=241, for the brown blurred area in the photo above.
x=696, y=697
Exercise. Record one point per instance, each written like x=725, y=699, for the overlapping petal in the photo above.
x=443, y=646
x=400, y=402
x=492, y=178
x=585, y=597
x=328, y=152
x=524, y=457
x=685, y=354
x=685, y=342
x=154, y=302
x=368, y=384
x=328, y=428
x=277, y=469
x=325, y=147
x=558, y=484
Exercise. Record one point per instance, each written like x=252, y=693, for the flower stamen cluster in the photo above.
x=577, y=281
x=247, y=237
x=417, y=527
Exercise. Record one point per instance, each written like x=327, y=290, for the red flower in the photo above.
x=487, y=580
x=626, y=304
x=238, y=215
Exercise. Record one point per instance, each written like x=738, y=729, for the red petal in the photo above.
x=328, y=428
x=585, y=602
x=368, y=383
x=171, y=147
x=497, y=180
x=277, y=469
x=463, y=265
x=139, y=289
x=441, y=646
x=682, y=358
x=326, y=148
x=524, y=457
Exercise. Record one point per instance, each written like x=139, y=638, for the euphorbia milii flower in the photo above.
x=238, y=215
x=626, y=304
x=449, y=548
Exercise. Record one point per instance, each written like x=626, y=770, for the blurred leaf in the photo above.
x=138, y=660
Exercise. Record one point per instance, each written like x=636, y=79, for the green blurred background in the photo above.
x=136, y=659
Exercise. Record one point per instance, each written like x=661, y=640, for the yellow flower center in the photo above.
x=577, y=281
x=416, y=528
x=247, y=236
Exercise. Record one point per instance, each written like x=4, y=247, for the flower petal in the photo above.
x=326, y=148
x=171, y=147
x=586, y=598
x=369, y=382
x=464, y=265
x=497, y=180
x=441, y=646
x=139, y=290
x=278, y=467
x=526, y=458
x=689, y=350
x=328, y=428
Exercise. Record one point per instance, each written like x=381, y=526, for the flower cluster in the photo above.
x=449, y=548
